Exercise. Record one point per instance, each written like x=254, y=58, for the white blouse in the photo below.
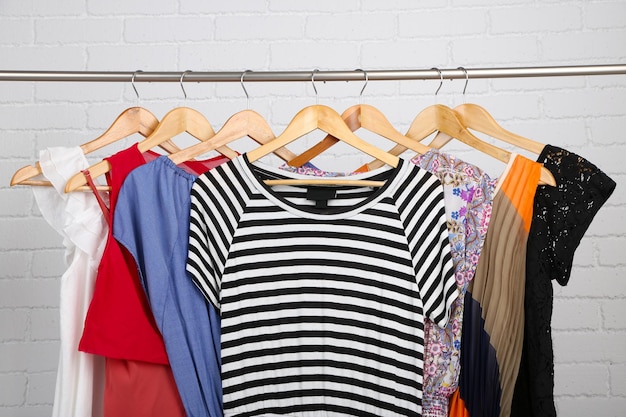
x=78, y=218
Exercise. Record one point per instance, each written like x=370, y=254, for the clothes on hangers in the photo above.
x=152, y=222
x=322, y=308
x=561, y=217
x=468, y=194
x=315, y=298
x=119, y=323
x=77, y=217
x=120, y=326
x=313, y=170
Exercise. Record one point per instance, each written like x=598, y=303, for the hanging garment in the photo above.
x=561, y=217
x=152, y=222
x=322, y=301
x=468, y=194
x=76, y=217
x=119, y=322
x=120, y=326
x=493, y=321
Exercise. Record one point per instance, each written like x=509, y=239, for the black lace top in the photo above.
x=561, y=216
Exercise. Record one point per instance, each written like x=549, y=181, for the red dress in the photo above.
x=119, y=324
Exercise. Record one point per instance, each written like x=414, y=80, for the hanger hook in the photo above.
x=317, y=99
x=466, y=79
x=132, y=82
x=181, y=82
x=440, y=79
x=364, y=85
x=243, y=74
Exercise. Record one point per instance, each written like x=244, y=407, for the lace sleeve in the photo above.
x=563, y=213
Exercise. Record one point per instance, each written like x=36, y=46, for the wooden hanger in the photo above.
x=477, y=118
x=23, y=176
x=244, y=123
x=328, y=120
x=440, y=118
x=130, y=121
x=360, y=116
x=444, y=120
x=175, y=122
x=367, y=117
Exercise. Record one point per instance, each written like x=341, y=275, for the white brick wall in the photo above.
x=524, y=19
x=584, y=114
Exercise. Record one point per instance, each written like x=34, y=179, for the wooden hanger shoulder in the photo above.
x=130, y=121
x=367, y=117
x=477, y=118
x=326, y=119
x=244, y=123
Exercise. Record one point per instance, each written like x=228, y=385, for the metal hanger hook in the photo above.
x=132, y=82
x=317, y=98
x=364, y=85
x=440, y=79
x=243, y=74
x=466, y=79
x=181, y=82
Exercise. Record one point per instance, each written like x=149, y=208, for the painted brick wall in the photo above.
x=583, y=114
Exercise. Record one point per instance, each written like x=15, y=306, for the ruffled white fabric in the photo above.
x=78, y=218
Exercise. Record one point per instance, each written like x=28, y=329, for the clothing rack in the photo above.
x=287, y=76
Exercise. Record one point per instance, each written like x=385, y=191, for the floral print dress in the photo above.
x=468, y=195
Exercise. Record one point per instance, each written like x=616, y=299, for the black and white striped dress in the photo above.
x=322, y=309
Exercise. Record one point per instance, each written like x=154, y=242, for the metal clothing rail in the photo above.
x=286, y=76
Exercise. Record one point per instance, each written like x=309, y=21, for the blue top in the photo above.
x=152, y=222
